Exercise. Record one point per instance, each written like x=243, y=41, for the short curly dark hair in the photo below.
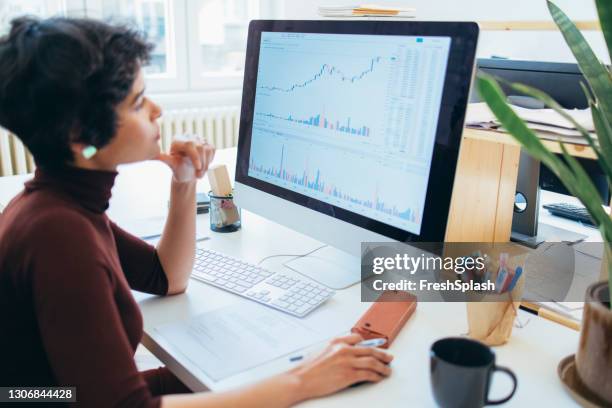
x=61, y=80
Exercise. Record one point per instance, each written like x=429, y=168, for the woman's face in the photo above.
x=137, y=136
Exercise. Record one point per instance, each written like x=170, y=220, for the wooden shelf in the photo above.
x=588, y=25
x=576, y=150
x=485, y=184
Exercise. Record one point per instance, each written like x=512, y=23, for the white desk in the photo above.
x=548, y=197
x=533, y=352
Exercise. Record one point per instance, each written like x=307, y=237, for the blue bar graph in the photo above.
x=320, y=185
x=320, y=121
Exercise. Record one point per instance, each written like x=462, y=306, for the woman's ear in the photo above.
x=89, y=151
x=81, y=150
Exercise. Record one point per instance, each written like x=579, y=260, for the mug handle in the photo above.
x=514, y=383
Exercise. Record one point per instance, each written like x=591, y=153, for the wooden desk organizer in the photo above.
x=485, y=183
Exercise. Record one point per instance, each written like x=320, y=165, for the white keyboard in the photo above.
x=286, y=293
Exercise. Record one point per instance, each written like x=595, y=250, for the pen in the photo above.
x=365, y=343
x=149, y=237
x=372, y=342
x=550, y=315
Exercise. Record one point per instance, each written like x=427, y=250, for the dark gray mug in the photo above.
x=461, y=371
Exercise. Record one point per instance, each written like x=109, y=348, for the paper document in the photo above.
x=546, y=120
x=232, y=339
x=151, y=228
x=366, y=10
x=552, y=118
x=144, y=228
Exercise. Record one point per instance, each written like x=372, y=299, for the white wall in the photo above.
x=542, y=46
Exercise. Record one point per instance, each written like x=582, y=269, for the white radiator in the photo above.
x=218, y=125
x=14, y=157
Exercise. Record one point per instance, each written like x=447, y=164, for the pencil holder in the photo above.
x=491, y=319
x=224, y=214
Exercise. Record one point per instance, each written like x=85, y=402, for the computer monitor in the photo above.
x=561, y=80
x=350, y=132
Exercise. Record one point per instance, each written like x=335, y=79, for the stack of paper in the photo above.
x=150, y=229
x=546, y=122
x=232, y=339
x=366, y=10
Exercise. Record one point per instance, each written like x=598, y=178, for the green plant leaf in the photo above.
x=587, y=92
x=604, y=10
x=587, y=192
x=608, y=238
x=602, y=128
x=573, y=177
x=491, y=92
x=594, y=71
x=604, y=134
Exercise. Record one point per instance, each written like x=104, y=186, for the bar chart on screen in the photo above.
x=336, y=118
x=326, y=178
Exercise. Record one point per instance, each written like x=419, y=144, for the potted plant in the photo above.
x=594, y=355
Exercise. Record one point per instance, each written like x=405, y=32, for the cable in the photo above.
x=296, y=255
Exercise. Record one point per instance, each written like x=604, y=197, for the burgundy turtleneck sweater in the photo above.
x=67, y=316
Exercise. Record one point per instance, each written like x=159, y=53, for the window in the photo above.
x=163, y=23
x=153, y=17
x=222, y=31
x=218, y=32
x=199, y=44
x=9, y=9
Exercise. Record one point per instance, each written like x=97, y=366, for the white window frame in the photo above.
x=176, y=78
x=202, y=80
x=54, y=8
x=186, y=73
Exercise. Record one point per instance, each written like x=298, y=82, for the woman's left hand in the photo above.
x=188, y=159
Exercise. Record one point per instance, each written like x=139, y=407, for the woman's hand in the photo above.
x=341, y=364
x=189, y=159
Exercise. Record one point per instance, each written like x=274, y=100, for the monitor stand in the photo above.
x=329, y=266
x=547, y=233
x=526, y=229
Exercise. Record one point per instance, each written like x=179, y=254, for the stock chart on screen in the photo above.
x=350, y=120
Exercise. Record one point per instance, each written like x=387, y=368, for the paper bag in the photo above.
x=490, y=320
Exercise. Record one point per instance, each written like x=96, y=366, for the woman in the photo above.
x=73, y=92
